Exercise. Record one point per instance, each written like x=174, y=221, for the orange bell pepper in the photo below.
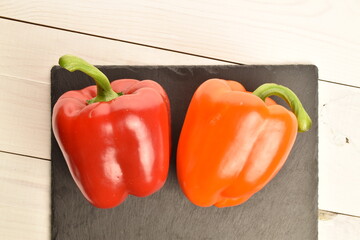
x=234, y=142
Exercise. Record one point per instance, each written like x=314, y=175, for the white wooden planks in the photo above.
x=24, y=198
x=27, y=53
x=25, y=116
x=339, y=148
x=322, y=32
x=334, y=226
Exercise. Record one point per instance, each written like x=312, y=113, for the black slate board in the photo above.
x=285, y=209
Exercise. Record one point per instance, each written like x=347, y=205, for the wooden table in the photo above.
x=34, y=34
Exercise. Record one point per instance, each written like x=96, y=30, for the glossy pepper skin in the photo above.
x=115, y=147
x=234, y=142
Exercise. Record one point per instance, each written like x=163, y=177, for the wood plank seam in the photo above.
x=118, y=40
x=145, y=45
x=321, y=212
x=25, y=155
x=341, y=84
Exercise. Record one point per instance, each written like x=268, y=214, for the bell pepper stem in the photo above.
x=270, y=89
x=104, y=91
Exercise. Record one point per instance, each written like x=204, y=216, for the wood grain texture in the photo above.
x=24, y=198
x=25, y=117
x=339, y=148
x=28, y=52
x=322, y=32
x=334, y=226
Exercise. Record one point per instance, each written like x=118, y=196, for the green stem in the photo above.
x=270, y=89
x=104, y=91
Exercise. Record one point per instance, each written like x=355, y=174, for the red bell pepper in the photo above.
x=234, y=142
x=114, y=137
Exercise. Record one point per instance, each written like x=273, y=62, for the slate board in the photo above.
x=285, y=209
